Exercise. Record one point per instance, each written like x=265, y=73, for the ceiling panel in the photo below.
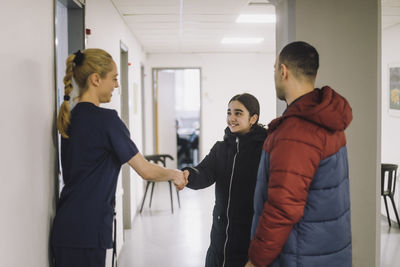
x=161, y=28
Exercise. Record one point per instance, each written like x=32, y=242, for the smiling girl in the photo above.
x=232, y=165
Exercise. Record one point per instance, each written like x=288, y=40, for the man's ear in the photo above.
x=94, y=79
x=284, y=71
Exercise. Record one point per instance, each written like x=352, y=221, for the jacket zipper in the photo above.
x=229, y=199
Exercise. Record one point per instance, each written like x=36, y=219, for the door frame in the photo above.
x=69, y=4
x=125, y=116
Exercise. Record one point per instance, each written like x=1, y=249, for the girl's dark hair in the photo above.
x=250, y=102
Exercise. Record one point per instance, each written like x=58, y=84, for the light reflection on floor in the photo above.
x=390, y=244
x=162, y=239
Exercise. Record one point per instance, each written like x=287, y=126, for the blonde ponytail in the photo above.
x=80, y=66
x=64, y=115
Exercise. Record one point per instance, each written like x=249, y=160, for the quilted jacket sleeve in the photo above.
x=203, y=175
x=293, y=163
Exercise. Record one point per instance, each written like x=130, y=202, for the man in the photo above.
x=302, y=199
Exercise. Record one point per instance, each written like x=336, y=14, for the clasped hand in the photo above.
x=181, y=179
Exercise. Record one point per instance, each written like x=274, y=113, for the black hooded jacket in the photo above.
x=232, y=164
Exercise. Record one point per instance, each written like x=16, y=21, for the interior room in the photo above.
x=226, y=48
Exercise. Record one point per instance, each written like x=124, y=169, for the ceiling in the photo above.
x=198, y=26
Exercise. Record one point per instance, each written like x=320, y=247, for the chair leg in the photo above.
x=144, y=197
x=170, y=193
x=387, y=210
x=395, y=211
x=151, y=195
x=179, y=201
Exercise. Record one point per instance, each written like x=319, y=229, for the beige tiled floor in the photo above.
x=162, y=239
x=390, y=244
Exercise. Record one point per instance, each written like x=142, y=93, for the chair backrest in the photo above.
x=388, y=178
x=159, y=158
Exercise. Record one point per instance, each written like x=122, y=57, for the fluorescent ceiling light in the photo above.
x=238, y=40
x=256, y=18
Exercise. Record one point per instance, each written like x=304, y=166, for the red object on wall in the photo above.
x=88, y=31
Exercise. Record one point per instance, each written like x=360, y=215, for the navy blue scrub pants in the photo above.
x=79, y=257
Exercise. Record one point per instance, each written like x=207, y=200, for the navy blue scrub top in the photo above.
x=98, y=144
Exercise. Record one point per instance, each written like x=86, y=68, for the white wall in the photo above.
x=167, y=115
x=28, y=157
x=107, y=30
x=223, y=76
x=390, y=123
x=27, y=116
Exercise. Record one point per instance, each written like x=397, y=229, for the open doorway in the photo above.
x=143, y=100
x=69, y=37
x=177, y=103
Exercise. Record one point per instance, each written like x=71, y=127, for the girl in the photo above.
x=232, y=165
x=95, y=143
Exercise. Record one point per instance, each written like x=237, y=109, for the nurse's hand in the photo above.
x=186, y=173
x=180, y=180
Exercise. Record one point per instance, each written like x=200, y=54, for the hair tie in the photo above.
x=66, y=97
x=79, y=57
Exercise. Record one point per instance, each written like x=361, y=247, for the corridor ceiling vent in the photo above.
x=256, y=18
x=259, y=3
x=240, y=40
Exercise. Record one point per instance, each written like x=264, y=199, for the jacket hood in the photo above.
x=258, y=133
x=322, y=106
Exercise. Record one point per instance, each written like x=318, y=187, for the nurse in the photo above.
x=95, y=143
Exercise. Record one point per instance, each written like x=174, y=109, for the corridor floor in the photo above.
x=161, y=239
x=390, y=244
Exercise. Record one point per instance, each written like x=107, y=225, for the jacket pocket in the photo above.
x=219, y=221
x=218, y=232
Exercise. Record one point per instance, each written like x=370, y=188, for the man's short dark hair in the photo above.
x=301, y=58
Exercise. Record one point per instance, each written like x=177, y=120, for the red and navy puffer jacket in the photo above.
x=302, y=200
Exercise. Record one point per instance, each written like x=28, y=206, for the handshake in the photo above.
x=180, y=179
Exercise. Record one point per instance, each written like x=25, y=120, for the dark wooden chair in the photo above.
x=388, y=187
x=159, y=158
